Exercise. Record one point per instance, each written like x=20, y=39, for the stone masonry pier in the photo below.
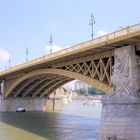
x=30, y=104
x=120, y=118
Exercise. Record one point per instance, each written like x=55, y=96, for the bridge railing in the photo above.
x=74, y=48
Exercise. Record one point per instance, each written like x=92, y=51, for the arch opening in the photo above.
x=39, y=76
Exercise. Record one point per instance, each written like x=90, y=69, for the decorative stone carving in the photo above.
x=121, y=74
x=125, y=75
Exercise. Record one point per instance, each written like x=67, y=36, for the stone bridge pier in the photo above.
x=120, y=119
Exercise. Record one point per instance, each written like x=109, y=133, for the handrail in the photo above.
x=105, y=38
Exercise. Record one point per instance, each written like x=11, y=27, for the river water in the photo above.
x=75, y=122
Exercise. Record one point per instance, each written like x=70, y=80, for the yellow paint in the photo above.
x=8, y=132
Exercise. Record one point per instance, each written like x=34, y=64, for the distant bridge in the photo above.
x=89, y=61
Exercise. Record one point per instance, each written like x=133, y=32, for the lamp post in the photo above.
x=50, y=42
x=9, y=61
x=27, y=54
x=92, y=21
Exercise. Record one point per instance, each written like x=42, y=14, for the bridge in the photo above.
x=93, y=62
x=90, y=62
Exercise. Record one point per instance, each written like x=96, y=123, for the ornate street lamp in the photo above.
x=92, y=21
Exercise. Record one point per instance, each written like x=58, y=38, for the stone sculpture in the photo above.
x=124, y=77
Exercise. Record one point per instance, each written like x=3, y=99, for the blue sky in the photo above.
x=29, y=23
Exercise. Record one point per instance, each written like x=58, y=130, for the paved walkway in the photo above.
x=8, y=132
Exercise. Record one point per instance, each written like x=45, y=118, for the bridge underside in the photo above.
x=38, y=85
x=44, y=82
x=95, y=70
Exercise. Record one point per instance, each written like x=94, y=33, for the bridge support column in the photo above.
x=53, y=105
x=2, y=87
x=30, y=104
x=120, y=119
x=64, y=99
x=70, y=97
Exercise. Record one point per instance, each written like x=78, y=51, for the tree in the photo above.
x=95, y=91
x=82, y=91
x=91, y=91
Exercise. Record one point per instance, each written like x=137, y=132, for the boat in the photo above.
x=92, y=102
x=20, y=109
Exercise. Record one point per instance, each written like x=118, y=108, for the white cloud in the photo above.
x=55, y=48
x=101, y=33
x=4, y=55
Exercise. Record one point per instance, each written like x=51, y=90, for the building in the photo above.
x=80, y=84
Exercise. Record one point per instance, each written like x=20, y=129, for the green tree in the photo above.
x=95, y=91
x=91, y=91
x=82, y=91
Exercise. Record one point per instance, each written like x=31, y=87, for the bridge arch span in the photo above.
x=60, y=72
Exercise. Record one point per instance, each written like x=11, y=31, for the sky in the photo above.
x=29, y=24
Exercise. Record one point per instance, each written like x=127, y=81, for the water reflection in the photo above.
x=73, y=123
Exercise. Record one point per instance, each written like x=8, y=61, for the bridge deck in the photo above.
x=129, y=35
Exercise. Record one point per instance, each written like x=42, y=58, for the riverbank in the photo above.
x=89, y=97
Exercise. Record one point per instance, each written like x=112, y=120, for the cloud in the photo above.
x=4, y=55
x=55, y=48
x=101, y=33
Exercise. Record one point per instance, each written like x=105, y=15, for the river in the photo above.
x=75, y=122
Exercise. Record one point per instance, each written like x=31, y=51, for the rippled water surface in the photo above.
x=75, y=122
